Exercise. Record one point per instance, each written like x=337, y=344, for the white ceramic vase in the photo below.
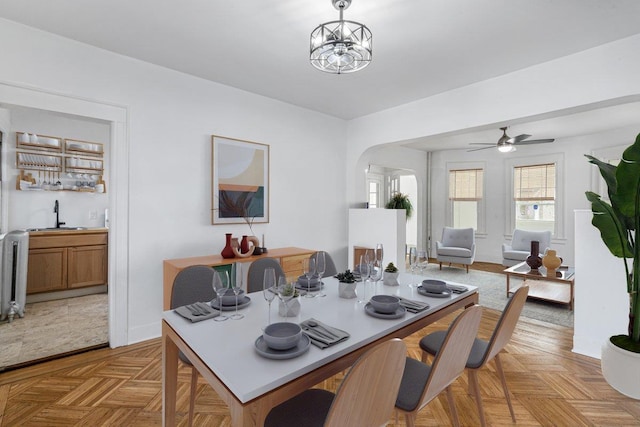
x=390, y=279
x=293, y=308
x=621, y=369
x=347, y=290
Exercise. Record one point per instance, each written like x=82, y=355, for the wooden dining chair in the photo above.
x=330, y=267
x=193, y=284
x=422, y=383
x=255, y=275
x=483, y=351
x=364, y=398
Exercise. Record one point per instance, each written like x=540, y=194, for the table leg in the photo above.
x=571, y=297
x=169, y=379
x=508, y=285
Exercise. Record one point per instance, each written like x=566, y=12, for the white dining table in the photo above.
x=224, y=352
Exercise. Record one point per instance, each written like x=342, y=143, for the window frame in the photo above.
x=481, y=208
x=558, y=160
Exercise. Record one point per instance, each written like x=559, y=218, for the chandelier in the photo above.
x=340, y=46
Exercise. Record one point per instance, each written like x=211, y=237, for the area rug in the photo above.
x=492, y=290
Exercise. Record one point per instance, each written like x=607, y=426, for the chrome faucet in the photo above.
x=56, y=210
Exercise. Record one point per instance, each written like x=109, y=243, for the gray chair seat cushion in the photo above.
x=414, y=380
x=308, y=409
x=513, y=254
x=451, y=251
x=432, y=343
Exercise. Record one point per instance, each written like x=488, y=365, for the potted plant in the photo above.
x=400, y=201
x=619, y=225
x=390, y=275
x=292, y=308
x=346, y=285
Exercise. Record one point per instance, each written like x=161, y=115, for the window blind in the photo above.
x=535, y=182
x=465, y=184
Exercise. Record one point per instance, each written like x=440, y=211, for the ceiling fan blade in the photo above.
x=483, y=143
x=534, y=141
x=519, y=138
x=482, y=148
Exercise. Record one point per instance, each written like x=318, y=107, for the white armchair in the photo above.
x=520, y=247
x=458, y=246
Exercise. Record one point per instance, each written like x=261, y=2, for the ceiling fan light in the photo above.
x=506, y=148
x=340, y=46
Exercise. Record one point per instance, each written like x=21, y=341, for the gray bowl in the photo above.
x=229, y=298
x=434, y=286
x=282, y=335
x=386, y=304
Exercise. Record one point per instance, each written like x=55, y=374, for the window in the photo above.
x=535, y=197
x=374, y=195
x=465, y=195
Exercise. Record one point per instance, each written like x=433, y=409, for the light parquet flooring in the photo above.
x=550, y=386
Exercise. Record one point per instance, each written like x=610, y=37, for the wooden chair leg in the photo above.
x=467, y=269
x=473, y=379
x=504, y=386
x=192, y=396
x=440, y=266
x=452, y=407
x=410, y=419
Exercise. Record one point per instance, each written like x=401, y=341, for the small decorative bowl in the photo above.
x=229, y=298
x=282, y=335
x=434, y=286
x=386, y=304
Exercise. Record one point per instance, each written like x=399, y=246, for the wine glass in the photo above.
x=269, y=288
x=236, y=287
x=422, y=261
x=286, y=292
x=220, y=286
x=375, y=273
x=321, y=267
x=363, y=268
x=309, y=265
x=379, y=253
x=413, y=257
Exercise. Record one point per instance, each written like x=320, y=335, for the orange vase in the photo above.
x=551, y=262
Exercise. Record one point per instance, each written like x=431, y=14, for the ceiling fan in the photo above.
x=507, y=144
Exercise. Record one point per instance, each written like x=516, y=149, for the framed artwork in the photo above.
x=239, y=181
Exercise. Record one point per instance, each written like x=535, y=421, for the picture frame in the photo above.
x=239, y=181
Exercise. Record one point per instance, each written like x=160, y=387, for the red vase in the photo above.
x=534, y=261
x=227, y=252
x=244, y=245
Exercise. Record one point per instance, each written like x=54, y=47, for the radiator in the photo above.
x=13, y=274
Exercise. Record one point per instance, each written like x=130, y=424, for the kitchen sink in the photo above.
x=57, y=229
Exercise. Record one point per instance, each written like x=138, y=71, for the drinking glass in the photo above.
x=321, y=267
x=236, y=286
x=269, y=288
x=286, y=292
x=363, y=267
x=379, y=253
x=309, y=266
x=375, y=273
x=413, y=256
x=220, y=286
x=422, y=261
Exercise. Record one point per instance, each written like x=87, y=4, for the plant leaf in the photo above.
x=627, y=194
x=612, y=230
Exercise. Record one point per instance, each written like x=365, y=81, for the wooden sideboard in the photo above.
x=289, y=258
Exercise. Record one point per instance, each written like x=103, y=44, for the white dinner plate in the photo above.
x=265, y=351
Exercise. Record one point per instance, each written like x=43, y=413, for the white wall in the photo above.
x=29, y=209
x=601, y=298
x=171, y=118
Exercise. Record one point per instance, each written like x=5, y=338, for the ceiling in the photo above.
x=421, y=47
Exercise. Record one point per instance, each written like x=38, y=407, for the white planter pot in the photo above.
x=621, y=369
x=293, y=308
x=347, y=290
x=390, y=279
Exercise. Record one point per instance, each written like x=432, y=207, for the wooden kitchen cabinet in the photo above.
x=61, y=260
